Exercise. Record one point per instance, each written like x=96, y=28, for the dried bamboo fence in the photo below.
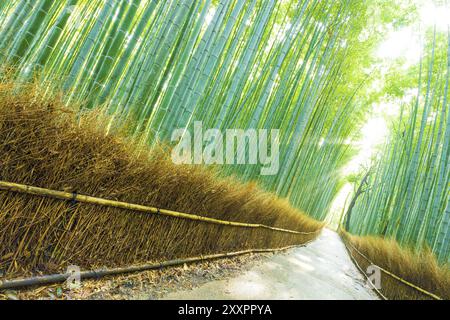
x=73, y=199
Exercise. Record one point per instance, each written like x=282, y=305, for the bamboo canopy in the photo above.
x=407, y=192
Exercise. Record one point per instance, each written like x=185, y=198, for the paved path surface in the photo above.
x=321, y=270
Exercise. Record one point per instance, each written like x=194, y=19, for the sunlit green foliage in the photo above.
x=408, y=194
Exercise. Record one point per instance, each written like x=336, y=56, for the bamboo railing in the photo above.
x=21, y=188
x=56, y=278
x=99, y=273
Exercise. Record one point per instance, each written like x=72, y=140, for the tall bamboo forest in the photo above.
x=305, y=67
x=231, y=64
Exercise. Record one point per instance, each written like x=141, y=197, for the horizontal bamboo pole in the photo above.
x=409, y=284
x=21, y=188
x=99, y=273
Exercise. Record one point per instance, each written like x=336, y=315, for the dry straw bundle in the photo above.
x=42, y=145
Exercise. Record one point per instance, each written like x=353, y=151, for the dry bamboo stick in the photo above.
x=58, y=278
x=21, y=188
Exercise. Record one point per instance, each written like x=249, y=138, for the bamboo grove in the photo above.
x=155, y=66
x=161, y=65
x=407, y=191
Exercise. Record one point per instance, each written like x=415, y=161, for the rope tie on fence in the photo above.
x=78, y=198
x=74, y=198
x=409, y=284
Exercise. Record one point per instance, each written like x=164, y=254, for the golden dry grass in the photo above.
x=418, y=268
x=43, y=145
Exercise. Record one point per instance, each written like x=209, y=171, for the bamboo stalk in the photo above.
x=99, y=273
x=31, y=190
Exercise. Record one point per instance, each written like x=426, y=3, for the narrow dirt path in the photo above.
x=321, y=270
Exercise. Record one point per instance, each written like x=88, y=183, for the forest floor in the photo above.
x=319, y=270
